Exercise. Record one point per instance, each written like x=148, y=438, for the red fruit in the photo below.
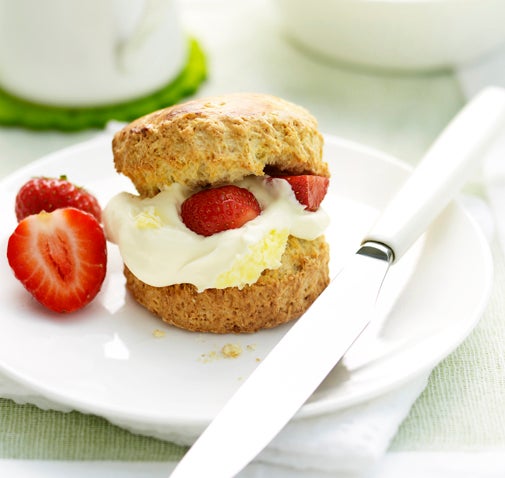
x=309, y=189
x=219, y=209
x=60, y=257
x=48, y=194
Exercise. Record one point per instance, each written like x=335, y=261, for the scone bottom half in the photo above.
x=216, y=141
x=279, y=295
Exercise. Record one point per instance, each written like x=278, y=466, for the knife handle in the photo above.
x=448, y=164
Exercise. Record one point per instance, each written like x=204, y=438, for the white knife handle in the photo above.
x=454, y=156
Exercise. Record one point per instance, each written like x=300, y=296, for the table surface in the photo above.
x=399, y=114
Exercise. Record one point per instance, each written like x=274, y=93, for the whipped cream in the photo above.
x=160, y=250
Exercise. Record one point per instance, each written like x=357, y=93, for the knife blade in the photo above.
x=301, y=360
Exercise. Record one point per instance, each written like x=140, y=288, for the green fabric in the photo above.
x=17, y=112
x=463, y=406
x=27, y=432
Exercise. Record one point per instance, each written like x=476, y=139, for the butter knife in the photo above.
x=295, y=367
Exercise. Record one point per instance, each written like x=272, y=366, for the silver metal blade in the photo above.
x=286, y=378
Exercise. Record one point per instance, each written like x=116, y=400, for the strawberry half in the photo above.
x=310, y=190
x=47, y=194
x=214, y=210
x=60, y=257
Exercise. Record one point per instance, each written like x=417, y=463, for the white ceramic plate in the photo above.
x=105, y=359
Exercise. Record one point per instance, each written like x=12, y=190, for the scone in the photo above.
x=258, y=273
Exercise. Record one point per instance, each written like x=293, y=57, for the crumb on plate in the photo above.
x=231, y=350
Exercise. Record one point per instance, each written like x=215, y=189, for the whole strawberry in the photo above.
x=48, y=194
x=60, y=257
x=218, y=209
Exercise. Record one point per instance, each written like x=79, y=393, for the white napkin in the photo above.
x=349, y=442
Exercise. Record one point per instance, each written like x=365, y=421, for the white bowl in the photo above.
x=396, y=34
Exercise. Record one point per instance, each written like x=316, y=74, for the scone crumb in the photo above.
x=251, y=347
x=209, y=357
x=231, y=350
x=158, y=333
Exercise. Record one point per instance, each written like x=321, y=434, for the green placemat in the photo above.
x=27, y=432
x=17, y=112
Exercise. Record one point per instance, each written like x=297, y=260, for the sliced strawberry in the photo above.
x=309, y=189
x=47, y=194
x=60, y=257
x=219, y=209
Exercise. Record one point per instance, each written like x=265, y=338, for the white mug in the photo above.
x=88, y=52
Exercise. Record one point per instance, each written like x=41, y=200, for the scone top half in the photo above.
x=219, y=140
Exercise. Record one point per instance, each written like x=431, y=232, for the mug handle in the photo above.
x=130, y=48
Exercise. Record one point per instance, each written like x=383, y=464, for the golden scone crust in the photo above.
x=217, y=140
x=277, y=297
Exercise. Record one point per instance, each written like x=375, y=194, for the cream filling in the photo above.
x=160, y=250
